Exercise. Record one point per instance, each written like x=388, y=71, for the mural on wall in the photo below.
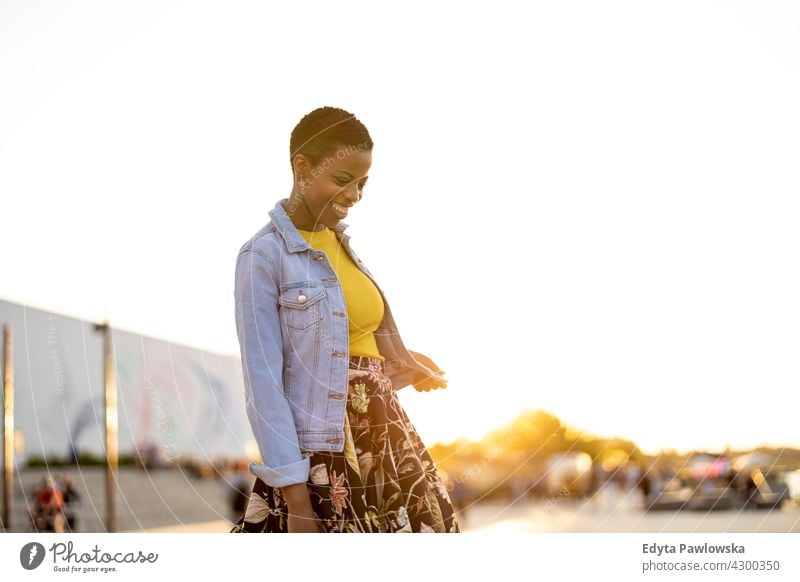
x=174, y=401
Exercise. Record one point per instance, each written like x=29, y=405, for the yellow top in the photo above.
x=362, y=298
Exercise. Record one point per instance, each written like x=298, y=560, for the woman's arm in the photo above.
x=259, y=330
x=426, y=360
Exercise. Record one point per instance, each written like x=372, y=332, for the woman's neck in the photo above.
x=300, y=215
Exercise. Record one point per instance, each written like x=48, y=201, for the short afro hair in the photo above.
x=318, y=134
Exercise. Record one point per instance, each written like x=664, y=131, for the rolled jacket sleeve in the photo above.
x=259, y=329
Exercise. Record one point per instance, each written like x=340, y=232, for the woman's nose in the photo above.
x=352, y=194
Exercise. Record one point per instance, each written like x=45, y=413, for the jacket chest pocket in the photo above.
x=302, y=307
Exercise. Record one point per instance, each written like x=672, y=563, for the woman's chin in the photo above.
x=330, y=221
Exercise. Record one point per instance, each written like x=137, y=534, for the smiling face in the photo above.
x=329, y=189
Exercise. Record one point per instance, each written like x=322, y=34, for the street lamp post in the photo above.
x=111, y=423
x=8, y=424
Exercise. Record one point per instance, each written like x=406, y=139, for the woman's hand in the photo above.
x=302, y=518
x=430, y=383
x=303, y=521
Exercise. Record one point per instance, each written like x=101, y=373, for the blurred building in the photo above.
x=174, y=401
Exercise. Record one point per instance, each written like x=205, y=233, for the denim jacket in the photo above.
x=292, y=326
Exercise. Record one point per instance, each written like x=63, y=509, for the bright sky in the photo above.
x=586, y=207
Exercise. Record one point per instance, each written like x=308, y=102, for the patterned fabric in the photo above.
x=383, y=481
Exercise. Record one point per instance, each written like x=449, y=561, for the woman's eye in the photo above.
x=342, y=184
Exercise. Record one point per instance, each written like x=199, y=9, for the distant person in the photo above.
x=72, y=502
x=240, y=488
x=49, y=506
x=461, y=498
x=645, y=484
x=632, y=476
x=323, y=358
x=459, y=495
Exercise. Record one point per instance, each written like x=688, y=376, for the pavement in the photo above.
x=171, y=500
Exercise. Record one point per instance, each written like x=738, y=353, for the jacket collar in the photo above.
x=294, y=240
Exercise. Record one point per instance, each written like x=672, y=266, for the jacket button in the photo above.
x=318, y=258
x=340, y=354
x=301, y=298
x=334, y=441
x=337, y=395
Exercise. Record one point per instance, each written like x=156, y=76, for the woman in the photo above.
x=322, y=360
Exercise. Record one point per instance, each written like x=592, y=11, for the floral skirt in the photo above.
x=383, y=481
